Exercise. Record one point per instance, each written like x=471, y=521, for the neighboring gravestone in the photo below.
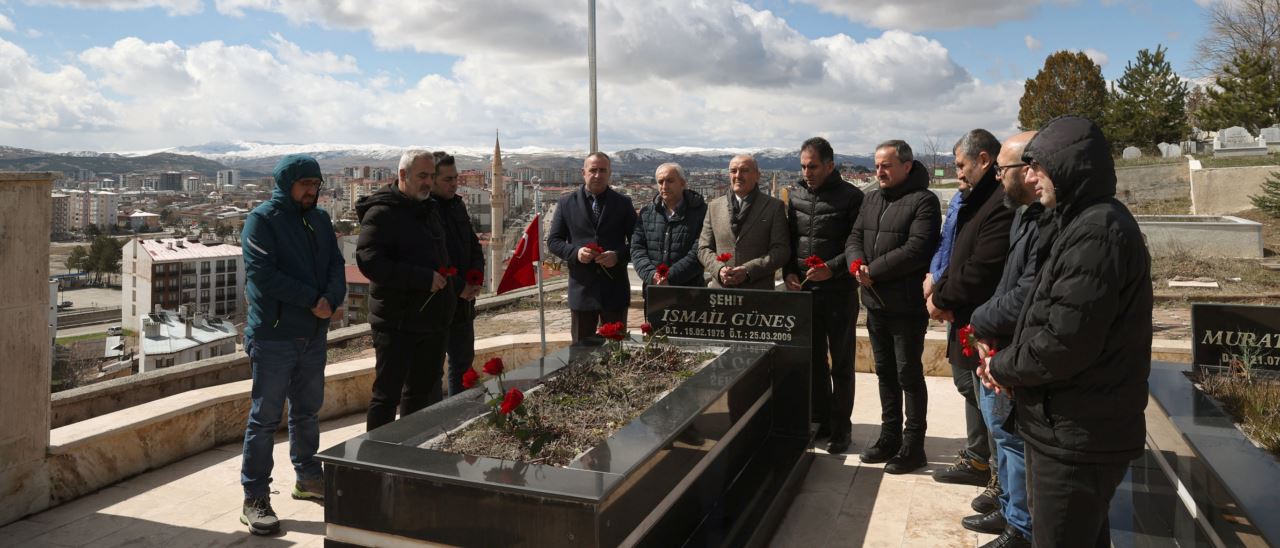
x=1191, y=146
x=1237, y=141
x=1131, y=153
x=1271, y=135
x=1168, y=150
x=1239, y=337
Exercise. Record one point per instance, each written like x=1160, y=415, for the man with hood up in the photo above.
x=1079, y=359
x=402, y=251
x=895, y=236
x=823, y=208
x=294, y=281
x=667, y=232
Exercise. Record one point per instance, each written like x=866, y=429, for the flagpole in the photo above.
x=542, y=299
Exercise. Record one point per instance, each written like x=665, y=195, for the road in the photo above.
x=87, y=329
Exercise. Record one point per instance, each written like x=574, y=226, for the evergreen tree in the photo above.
x=76, y=259
x=1147, y=105
x=1069, y=83
x=1247, y=95
x=1269, y=200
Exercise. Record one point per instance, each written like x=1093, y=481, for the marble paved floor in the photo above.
x=196, y=502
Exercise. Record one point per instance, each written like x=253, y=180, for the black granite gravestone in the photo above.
x=781, y=318
x=710, y=464
x=1243, y=335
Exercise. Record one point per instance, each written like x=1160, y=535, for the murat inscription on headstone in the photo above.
x=1236, y=337
x=1131, y=153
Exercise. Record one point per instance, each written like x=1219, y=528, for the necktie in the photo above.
x=595, y=210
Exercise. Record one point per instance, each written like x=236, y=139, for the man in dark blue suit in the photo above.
x=591, y=232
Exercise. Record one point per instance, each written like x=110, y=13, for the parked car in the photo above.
x=115, y=330
x=64, y=304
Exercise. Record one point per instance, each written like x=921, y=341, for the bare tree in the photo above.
x=1237, y=26
x=934, y=147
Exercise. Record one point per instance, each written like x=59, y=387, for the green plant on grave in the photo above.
x=1269, y=200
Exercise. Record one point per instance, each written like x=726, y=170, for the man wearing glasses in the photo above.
x=1079, y=359
x=977, y=257
x=294, y=281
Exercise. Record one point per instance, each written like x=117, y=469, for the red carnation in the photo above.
x=475, y=277
x=724, y=257
x=615, y=331
x=855, y=266
x=493, y=366
x=814, y=261
x=469, y=378
x=646, y=328
x=511, y=401
x=447, y=271
x=967, y=351
x=663, y=269
x=594, y=247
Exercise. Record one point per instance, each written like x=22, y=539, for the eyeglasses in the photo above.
x=1000, y=169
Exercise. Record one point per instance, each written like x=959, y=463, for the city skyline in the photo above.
x=131, y=75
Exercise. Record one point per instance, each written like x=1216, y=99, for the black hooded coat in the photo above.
x=1081, y=353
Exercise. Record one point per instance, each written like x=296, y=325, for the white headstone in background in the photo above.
x=1131, y=153
x=1191, y=147
x=1237, y=141
x=1271, y=134
x=1168, y=150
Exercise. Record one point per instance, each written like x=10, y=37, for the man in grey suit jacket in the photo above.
x=749, y=224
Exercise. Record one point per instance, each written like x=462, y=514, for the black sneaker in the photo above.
x=1010, y=538
x=990, y=498
x=259, y=516
x=991, y=523
x=308, y=489
x=839, y=444
x=965, y=471
x=884, y=449
x=909, y=459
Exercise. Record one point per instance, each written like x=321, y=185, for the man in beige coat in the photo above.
x=750, y=225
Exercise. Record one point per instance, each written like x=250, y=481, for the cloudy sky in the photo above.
x=119, y=75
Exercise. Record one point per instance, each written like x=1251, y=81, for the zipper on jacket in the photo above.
x=875, y=241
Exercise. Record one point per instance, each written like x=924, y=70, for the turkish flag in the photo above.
x=520, y=271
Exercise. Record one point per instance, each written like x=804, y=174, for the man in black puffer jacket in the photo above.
x=895, y=235
x=468, y=257
x=667, y=232
x=1079, y=359
x=823, y=208
x=401, y=250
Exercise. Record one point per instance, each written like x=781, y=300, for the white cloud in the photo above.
x=6, y=23
x=1097, y=56
x=325, y=61
x=44, y=106
x=174, y=7
x=671, y=74
x=33, y=33
x=919, y=15
x=1032, y=42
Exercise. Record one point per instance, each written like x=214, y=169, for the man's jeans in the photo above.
x=897, y=344
x=292, y=369
x=1011, y=462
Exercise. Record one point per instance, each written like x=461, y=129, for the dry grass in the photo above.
x=1253, y=403
x=1175, y=206
x=583, y=405
x=1252, y=277
x=1270, y=229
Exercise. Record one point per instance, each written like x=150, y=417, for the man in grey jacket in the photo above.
x=1005, y=508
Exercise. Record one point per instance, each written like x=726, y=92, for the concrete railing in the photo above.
x=86, y=402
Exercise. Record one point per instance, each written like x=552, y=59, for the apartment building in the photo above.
x=206, y=275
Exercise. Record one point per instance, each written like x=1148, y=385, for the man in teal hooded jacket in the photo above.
x=294, y=281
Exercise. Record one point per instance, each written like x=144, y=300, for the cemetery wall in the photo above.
x=1223, y=191
x=1153, y=183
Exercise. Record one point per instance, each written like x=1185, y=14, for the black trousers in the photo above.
x=1070, y=500
x=584, y=324
x=835, y=315
x=461, y=346
x=411, y=363
x=897, y=343
x=977, y=438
